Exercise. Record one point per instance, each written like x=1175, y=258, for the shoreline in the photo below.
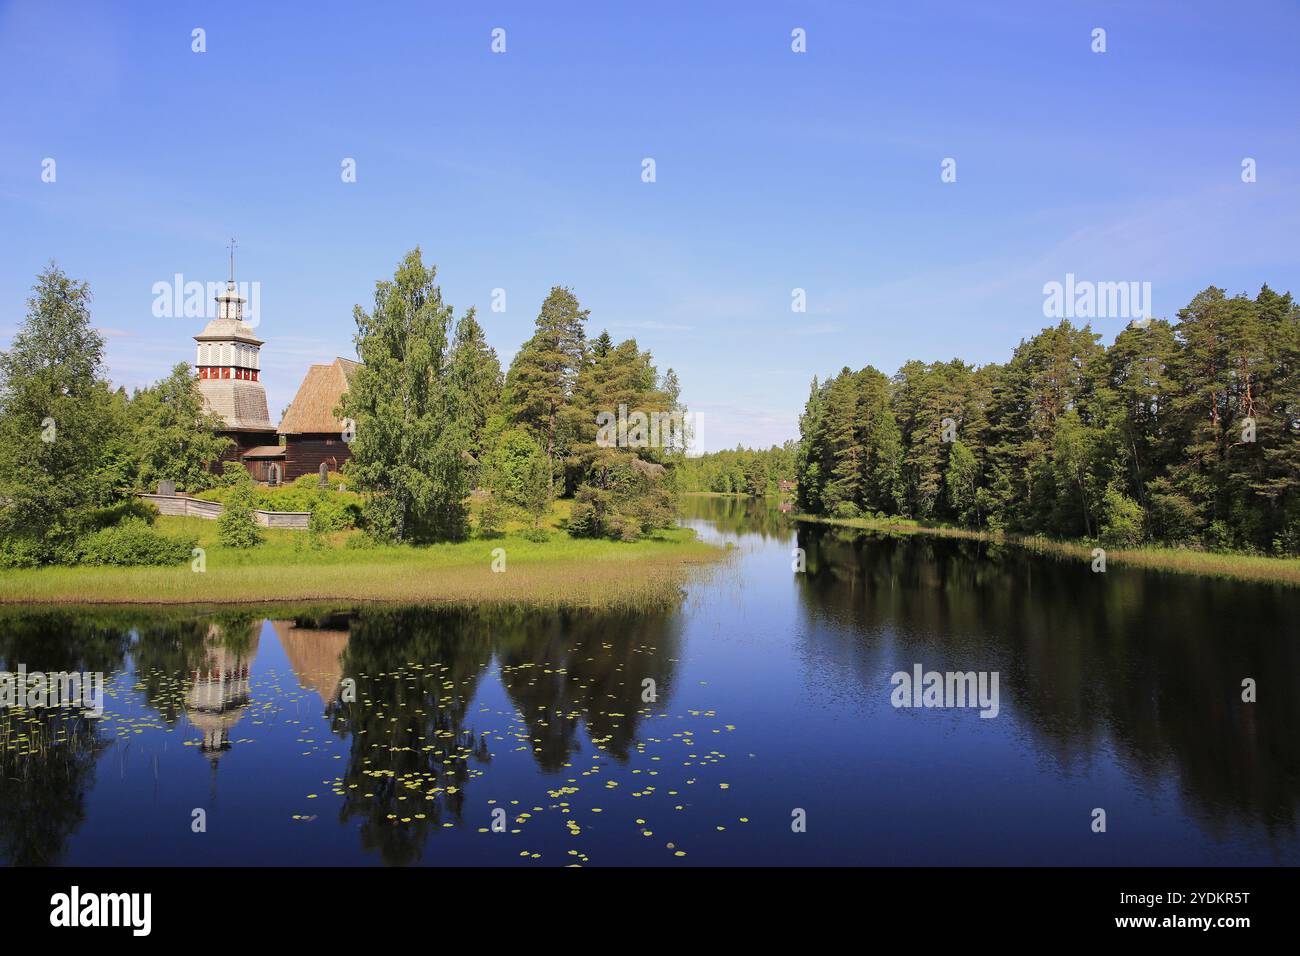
x=1241, y=567
x=562, y=572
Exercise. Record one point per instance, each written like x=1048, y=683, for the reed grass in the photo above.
x=289, y=567
x=1243, y=567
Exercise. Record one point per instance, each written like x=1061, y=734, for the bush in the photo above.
x=332, y=511
x=491, y=517
x=337, y=510
x=234, y=475
x=134, y=542
x=582, y=521
x=535, y=535
x=1171, y=517
x=592, y=509
x=236, y=527
x=1218, y=536
x=518, y=472
x=1121, y=519
x=623, y=498
x=23, y=553
x=131, y=508
x=622, y=528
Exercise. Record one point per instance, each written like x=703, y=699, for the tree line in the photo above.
x=1184, y=432
x=435, y=419
x=73, y=450
x=739, y=471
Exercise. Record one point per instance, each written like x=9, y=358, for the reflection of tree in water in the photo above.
x=47, y=755
x=62, y=641
x=760, y=516
x=412, y=749
x=410, y=739
x=48, y=766
x=1150, y=662
x=416, y=671
x=563, y=669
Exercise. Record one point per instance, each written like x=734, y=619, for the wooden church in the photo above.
x=312, y=435
x=229, y=367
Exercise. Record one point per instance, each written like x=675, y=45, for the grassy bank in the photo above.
x=562, y=571
x=1245, y=567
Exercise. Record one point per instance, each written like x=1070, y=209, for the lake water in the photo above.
x=772, y=704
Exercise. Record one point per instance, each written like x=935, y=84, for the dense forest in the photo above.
x=1182, y=432
x=741, y=471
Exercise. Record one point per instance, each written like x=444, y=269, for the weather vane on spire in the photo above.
x=232, y=260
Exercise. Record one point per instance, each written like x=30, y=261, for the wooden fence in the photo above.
x=186, y=507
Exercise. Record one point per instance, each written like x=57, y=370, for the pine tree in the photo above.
x=809, y=478
x=542, y=377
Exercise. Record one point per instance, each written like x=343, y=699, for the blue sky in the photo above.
x=775, y=171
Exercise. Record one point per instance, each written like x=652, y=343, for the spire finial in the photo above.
x=232, y=262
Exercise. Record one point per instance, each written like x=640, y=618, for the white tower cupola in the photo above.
x=229, y=352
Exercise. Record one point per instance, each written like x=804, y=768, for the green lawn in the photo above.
x=287, y=567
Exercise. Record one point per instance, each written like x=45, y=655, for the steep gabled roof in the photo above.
x=312, y=410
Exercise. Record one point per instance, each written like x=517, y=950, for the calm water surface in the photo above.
x=1117, y=690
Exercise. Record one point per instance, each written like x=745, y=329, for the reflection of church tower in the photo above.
x=316, y=656
x=220, y=691
x=229, y=364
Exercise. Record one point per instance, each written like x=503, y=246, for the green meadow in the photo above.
x=345, y=566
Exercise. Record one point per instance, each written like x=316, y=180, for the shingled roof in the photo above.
x=312, y=410
x=240, y=403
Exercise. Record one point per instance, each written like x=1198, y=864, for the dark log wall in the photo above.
x=260, y=468
x=303, y=454
x=242, y=442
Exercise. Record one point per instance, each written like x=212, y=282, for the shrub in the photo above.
x=332, y=511
x=582, y=520
x=1121, y=518
x=23, y=553
x=592, y=509
x=1171, y=516
x=1218, y=536
x=535, y=535
x=318, y=524
x=234, y=475
x=623, y=528
x=134, y=542
x=518, y=471
x=130, y=508
x=1290, y=540
x=236, y=527
x=491, y=517
x=337, y=510
x=623, y=497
